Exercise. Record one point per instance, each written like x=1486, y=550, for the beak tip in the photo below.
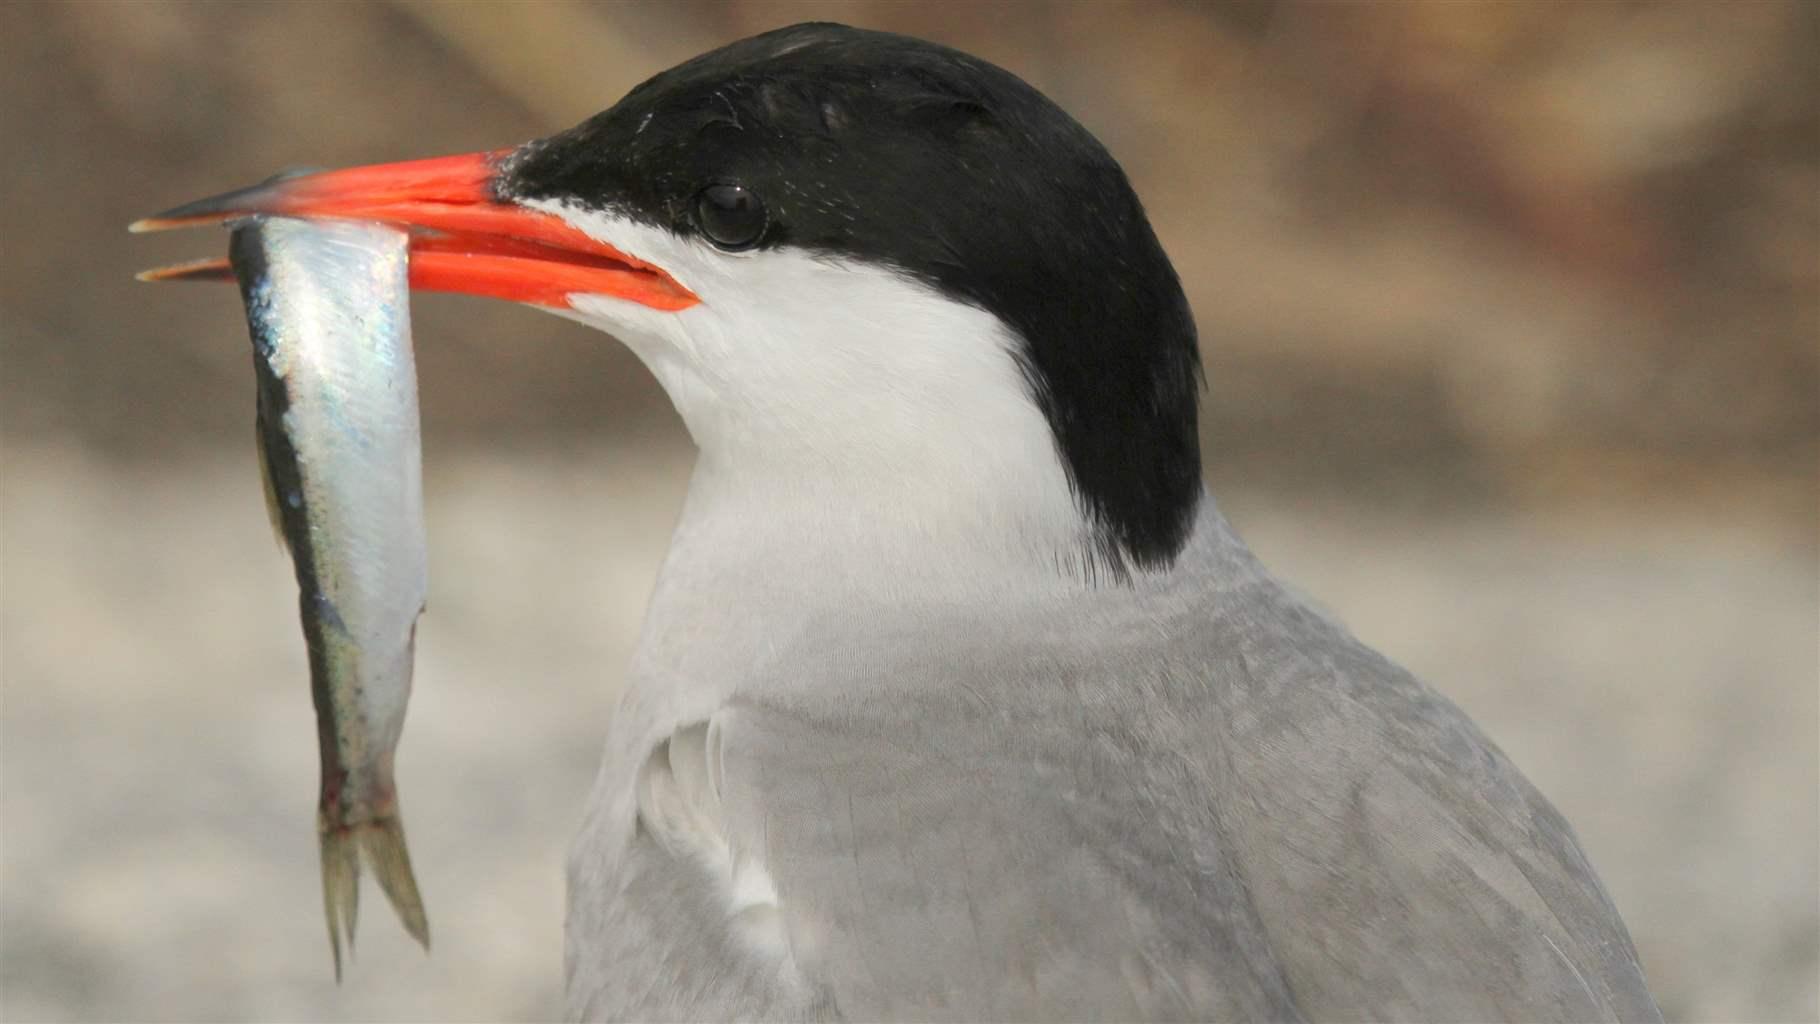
x=181, y=217
x=216, y=269
x=212, y=210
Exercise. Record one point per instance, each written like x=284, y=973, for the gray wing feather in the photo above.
x=972, y=886
x=1270, y=823
x=1404, y=867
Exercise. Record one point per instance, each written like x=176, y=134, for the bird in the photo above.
x=957, y=697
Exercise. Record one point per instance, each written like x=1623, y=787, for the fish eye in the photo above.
x=732, y=216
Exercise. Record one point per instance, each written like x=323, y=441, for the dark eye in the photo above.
x=731, y=216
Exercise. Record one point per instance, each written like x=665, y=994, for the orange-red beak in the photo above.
x=463, y=238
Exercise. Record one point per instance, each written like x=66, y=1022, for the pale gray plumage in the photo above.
x=1189, y=798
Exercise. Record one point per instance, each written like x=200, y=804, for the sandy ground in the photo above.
x=157, y=771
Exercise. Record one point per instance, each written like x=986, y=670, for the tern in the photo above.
x=957, y=697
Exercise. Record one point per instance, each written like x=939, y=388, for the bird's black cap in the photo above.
x=898, y=152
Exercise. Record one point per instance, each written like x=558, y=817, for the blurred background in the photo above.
x=1510, y=315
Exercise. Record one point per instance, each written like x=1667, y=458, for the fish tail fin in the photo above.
x=383, y=841
x=340, y=888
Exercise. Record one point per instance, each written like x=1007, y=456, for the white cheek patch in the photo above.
x=795, y=362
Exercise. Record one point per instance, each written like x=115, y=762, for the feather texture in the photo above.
x=1193, y=798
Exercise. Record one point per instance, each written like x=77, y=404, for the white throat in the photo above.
x=859, y=432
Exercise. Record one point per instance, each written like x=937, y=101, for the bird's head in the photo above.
x=850, y=257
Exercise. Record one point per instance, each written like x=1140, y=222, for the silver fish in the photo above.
x=326, y=303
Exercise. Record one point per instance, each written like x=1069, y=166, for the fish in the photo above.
x=340, y=451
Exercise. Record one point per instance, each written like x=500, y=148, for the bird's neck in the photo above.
x=957, y=519
x=765, y=550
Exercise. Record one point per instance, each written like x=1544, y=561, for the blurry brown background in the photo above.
x=1510, y=317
